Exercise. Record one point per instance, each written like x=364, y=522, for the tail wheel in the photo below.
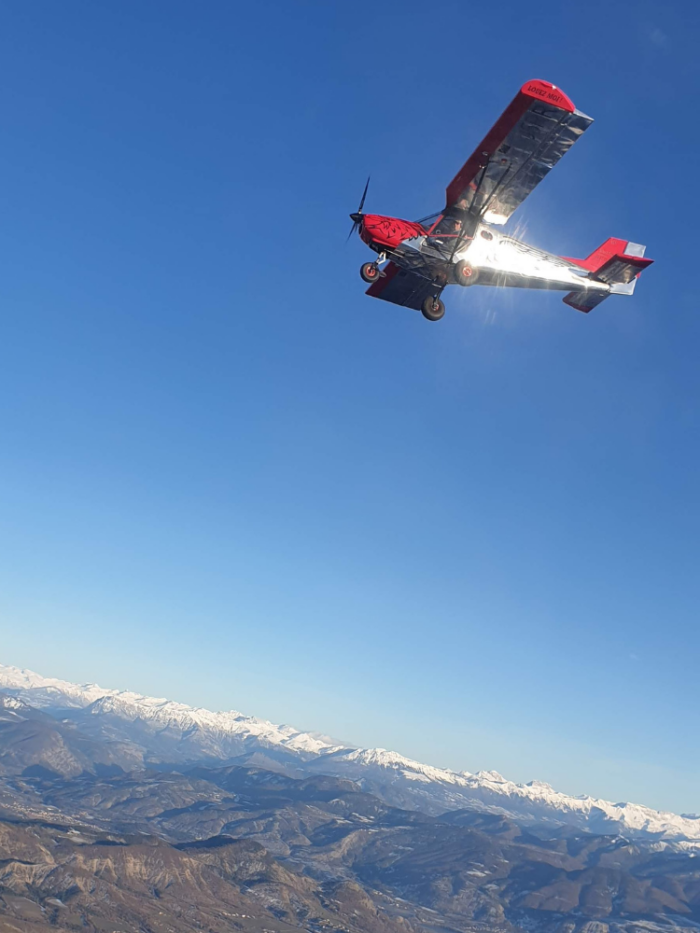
x=433, y=308
x=369, y=272
x=464, y=273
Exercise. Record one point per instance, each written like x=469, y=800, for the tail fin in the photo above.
x=618, y=263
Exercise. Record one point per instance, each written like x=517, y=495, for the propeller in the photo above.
x=356, y=218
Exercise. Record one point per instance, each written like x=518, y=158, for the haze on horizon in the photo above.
x=230, y=479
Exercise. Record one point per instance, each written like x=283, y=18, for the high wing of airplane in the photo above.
x=461, y=244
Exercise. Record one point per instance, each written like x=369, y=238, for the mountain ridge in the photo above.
x=240, y=849
x=168, y=731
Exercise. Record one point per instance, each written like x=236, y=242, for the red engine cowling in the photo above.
x=388, y=232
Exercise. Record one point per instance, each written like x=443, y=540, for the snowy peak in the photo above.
x=167, y=714
x=157, y=714
x=167, y=731
x=435, y=790
x=48, y=691
x=493, y=776
x=390, y=762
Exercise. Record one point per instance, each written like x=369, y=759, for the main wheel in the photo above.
x=369, y=272
x=433, y=309
x=464, y=273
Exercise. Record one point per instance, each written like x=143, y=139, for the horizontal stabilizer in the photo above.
x=622, y=269
x=584, y=301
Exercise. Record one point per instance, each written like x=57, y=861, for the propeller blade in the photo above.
x=357, y=216
x=364, y=195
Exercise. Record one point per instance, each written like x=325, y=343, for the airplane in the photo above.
x=462, y=245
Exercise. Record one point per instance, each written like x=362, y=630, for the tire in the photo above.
x=432, y=309
x=369, y=272
x=464, y=273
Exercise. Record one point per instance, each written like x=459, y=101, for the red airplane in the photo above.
x=462, y=245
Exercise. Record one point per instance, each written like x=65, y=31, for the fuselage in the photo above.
x=506, y=261
x=497, y=259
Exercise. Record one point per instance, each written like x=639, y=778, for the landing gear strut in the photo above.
x=433, y=308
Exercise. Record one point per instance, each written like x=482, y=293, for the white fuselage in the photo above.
x=505, y=261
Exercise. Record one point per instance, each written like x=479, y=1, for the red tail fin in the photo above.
x=600, y=256
x=616, y=262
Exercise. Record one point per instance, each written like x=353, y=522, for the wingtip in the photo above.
x=544, y=90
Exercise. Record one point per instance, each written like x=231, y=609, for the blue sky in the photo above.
x=229, y=478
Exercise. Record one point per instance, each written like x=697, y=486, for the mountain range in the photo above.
x=158, y=731
x=127, y=813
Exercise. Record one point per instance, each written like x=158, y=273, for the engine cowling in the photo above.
x=388, y=232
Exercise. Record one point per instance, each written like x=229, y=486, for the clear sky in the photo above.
x=228, y=477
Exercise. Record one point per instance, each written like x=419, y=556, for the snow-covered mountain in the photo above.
x=171, y=731
x=166, y=731
x=403, y=782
